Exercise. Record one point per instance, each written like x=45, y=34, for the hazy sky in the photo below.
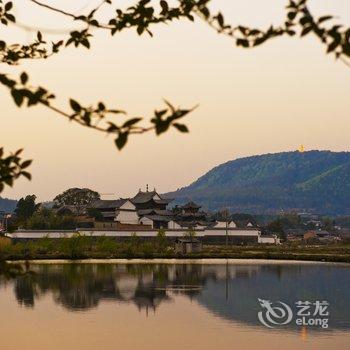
x=270, y=99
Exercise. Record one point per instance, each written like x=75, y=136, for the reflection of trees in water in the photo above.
x=83, y=286
x=228, y=291
x=9, y=271
x=25, y=290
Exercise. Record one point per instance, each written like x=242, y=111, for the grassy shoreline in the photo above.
x=82, y=248
x=261, y=255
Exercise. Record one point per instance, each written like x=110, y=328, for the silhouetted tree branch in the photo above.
x=142, y=16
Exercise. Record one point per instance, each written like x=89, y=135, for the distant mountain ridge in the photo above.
x=313, y=180
x=7, y=205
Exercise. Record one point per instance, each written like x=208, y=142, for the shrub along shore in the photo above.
x=82, y=247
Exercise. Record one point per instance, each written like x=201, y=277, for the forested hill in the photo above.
x=7, y=205
x=314, y=180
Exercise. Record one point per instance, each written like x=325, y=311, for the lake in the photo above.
x=192, y=305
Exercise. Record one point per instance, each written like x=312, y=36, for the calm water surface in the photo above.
x=170, y=306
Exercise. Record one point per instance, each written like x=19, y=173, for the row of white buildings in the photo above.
x=150, y=210
x=145, y=214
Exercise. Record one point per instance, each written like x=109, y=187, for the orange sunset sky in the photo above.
x=274, y=98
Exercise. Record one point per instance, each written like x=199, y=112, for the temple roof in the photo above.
x=194, y=223
x=155, y=211
x=191, y=205
x=144, y=197
x=192, y=215
x=108, y=204
x=186, y=223
x=158, y=218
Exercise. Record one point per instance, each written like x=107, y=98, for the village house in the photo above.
x=120, y=210
x=310, y=219
x=188, y=245
x=234, y=224
x=295, y=234
x=320, y=235
x=269, y=239
x=225, y=224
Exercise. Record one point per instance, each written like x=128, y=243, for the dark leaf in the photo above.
x=324, y=19
x=26, y=174
x=24, y=78
x=121, y=140
x=75, y=105
x=181, y=127
x=26, y=164
x=131, y=122
x=18, y=97
x=8, y=6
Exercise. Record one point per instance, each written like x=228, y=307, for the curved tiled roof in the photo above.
x=191, y=205
x=108, y=204
x=144, y=197
x=158, y=218
x=154, y=211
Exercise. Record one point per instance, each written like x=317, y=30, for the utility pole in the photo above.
x=226, y=217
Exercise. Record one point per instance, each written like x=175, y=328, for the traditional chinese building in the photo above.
x=145, y=208
x=150, y=209
x=190, y=208
x=150, y=200
x=190, y=215
x=120, y=210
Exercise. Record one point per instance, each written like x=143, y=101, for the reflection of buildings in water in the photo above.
x=83, y=286
x=228, y=291
x=149, y=298
x=126, y=286
x=226, y=271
